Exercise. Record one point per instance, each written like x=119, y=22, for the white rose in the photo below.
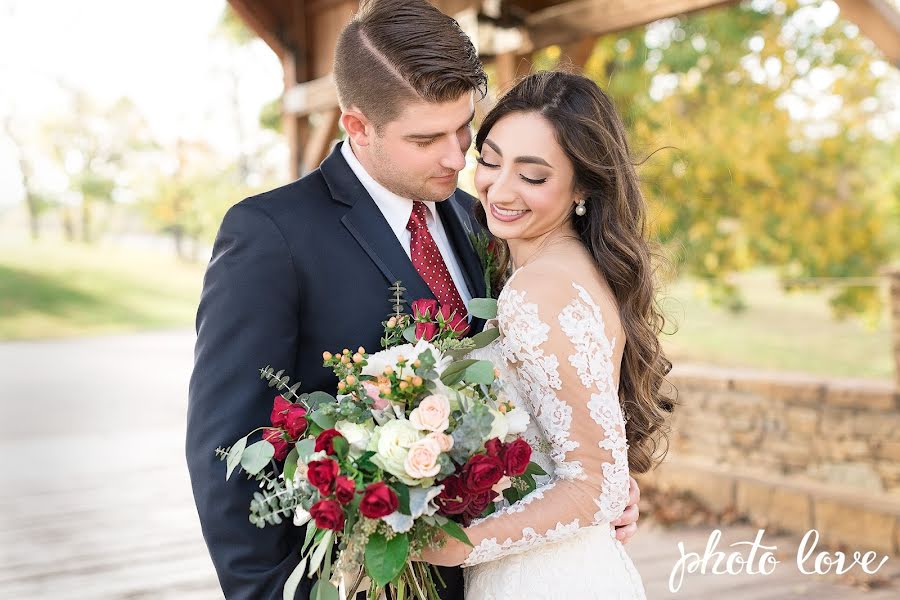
x=356, y=435
x=391, y=443
x=499, y=428
x=422, y=459
x=516, y=421
x=432, y=414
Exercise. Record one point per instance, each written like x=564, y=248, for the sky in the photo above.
x=160, y=54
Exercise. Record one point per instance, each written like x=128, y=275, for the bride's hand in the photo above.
x=452, y=554
x=626, y=525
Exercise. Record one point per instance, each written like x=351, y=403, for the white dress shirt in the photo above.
x=398, y=210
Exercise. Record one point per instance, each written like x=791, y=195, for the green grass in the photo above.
x=58, y=289
x=794, y=332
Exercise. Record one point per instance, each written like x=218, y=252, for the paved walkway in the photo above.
x=95, y=501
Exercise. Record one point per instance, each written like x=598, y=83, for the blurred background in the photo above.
x=767, y=133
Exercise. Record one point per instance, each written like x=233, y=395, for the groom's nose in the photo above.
x=453, y=157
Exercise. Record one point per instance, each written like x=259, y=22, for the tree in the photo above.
x=761, y=174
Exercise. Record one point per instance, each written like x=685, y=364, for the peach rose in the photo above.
x=422, y=460
x=444, y=441
x=432, y=414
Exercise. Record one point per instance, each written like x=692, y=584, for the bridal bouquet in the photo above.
x=418, y=441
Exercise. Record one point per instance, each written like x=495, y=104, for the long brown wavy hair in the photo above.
x=614, y=230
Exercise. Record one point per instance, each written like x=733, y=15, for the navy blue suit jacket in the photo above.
x=295, y=271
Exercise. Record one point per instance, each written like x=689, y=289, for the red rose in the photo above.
x=344, y=489
x=426, y=331
x=378, y=501
x=453, y=499
x=459, y=325
x=295, y=422
x=424, y=308
x=494, y=447
x=480, y=502
x=279, y=411
x=322, y=473
x=516, y=456
x=328, y=515
x=481, y=473
x=276, y=438
x=324, y=440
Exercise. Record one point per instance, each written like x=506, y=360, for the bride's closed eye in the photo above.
x=480, y=160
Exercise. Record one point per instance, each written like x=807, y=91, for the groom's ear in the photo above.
x=358, y=127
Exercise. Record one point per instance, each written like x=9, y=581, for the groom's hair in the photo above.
x=397, y=51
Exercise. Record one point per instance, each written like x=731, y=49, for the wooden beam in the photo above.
x=567, y=22
x=578, y=53
x=263, y=23
x=879, y=21
x=311, y=96
x=319, y=142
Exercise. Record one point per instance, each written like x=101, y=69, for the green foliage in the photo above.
x=385, y=558
x=750, y=183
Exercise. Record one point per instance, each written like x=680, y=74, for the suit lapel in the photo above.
x=456, y=225
x=368, y=226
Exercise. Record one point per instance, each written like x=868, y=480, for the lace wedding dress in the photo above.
x=559, y=352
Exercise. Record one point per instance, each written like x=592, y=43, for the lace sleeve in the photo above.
x=566, y=349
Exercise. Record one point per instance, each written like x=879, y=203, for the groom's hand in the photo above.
x=626, y=525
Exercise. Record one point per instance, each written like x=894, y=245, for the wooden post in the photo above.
x=893, y=276
x=296, y=127
x=579, y=52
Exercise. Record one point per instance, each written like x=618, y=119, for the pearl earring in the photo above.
x=581, y=209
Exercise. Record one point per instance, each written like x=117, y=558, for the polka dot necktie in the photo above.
x=427, y=259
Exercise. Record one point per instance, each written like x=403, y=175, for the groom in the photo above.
x=306, y=268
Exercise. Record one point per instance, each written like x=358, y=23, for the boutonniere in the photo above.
x=486, y=248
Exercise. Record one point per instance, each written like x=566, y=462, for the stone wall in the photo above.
x=791, y=451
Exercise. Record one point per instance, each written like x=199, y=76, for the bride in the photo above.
x=578, y=345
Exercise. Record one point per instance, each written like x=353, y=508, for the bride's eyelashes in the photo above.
x=480, y=160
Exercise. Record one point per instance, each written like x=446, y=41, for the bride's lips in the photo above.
x=507, y=216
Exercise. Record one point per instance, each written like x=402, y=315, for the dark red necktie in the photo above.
x=427, y=259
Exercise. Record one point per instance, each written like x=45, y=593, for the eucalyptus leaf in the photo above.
x=385, y=558
x=317, y=399
x=454, y=372
x=305, y=447
x=322, y=420
x=483, y=308
x=257, y=456
x=293, y=581
x=234, y=456
x=310, y=533
x=323, y=590
x=409, y=334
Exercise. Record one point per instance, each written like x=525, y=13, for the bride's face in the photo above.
x=524, y=179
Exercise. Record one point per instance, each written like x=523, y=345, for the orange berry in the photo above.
x=403, y=385
x=342, y=386
x=357, y=358
x=326, y=355
x=351, y=380
x=361, y=350
x=417, y=381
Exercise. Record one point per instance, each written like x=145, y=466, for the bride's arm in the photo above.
x=571, y=348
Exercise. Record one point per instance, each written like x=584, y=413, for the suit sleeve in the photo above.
x=247, y=318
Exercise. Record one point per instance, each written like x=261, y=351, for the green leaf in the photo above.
x=483, y=308
x=480, y=372
x=311, y=530
x=318, y=399
x=454, y=372
x=341, y=446
x=486, y=337
x=322, y=420
x=323, y=547
x=385, y=558
x=409, y=334
x=305, y=447
x=290, y=463
x=454, y=530
x=234, y=456
x=293, y=581
x=534, y=469
x=323, y=590
x=403, y=496
x=257, y=456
